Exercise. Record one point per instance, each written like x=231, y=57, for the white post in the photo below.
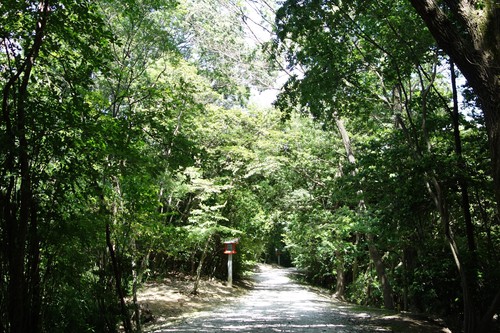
x=230, y=270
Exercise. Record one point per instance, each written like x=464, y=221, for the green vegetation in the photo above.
x=130, y=148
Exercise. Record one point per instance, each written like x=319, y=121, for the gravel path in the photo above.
x=277, y=304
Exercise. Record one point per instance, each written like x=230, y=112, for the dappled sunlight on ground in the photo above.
x=170, y=299
x=278, y=304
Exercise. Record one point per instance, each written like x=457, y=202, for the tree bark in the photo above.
x=462, y=181
x=118, y=282
x=18, y=214
x=382, y=276
x=372, y=248
x=135, y=286
x=437, y=194
x=33, y=278
x=200, y=266
x=341, y=283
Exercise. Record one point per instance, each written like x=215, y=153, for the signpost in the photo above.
x=230, y=249
x=278, y=254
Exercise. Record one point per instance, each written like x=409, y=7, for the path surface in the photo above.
x=277, y=304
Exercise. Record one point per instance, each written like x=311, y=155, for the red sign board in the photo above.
x=229, y=248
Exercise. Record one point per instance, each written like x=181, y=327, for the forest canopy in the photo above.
x=133, y=144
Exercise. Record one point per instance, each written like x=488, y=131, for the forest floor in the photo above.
x=269, y=301
x=170, y=299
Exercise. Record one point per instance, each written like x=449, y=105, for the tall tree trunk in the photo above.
x=372, y=248
x=406, y=268
x=341, y=283
x=435, y=190
x=469, y=308
x=18, y=215
x=462, y=181
x=137, y=275
x=471, y=261
x=135, y=284
x=355, y=264
x=118, y=282
x=200, y=266
x=381, y=274
x=33, y=278
x=16, y=292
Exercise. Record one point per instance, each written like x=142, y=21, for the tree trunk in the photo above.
x=33, y=278
x=137, y=275
x=341, y=283
x=437, y=194
x=372, y=249
x=118, y=282
x=492, y=117
x=200, y=266
x=471, y=262
x=462, y=181
x=355, y=264
x=405, y=269
x=135, y=284
x=382, y=276
x=19, y=219
x=16, y=292
x=466, y=277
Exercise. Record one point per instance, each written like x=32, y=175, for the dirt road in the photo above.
x=277, y=304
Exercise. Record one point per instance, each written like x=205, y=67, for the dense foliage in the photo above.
x=130, y=148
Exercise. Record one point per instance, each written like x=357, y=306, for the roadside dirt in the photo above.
x=170, y=307
x=169, y=300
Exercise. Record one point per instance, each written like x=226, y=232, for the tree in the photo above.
x=214, y=37
x=48, y=51
x=365, y=62
x=339, y=60
x=469, y=32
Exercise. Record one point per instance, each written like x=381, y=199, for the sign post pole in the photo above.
x=230, y=270
x=230, y=249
